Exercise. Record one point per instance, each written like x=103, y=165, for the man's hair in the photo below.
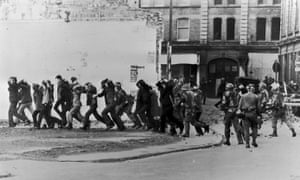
x=58, y=77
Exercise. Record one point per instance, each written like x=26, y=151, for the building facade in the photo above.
x=219, y=38
x=290, y=41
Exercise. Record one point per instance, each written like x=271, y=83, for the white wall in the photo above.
x=35, y=51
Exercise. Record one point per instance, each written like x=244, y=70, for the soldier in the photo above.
x=197, y=111
x=249, y=106
x=279, y=112
x=229, y=106
x=189, y=111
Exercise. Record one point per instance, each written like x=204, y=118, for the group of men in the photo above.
x=243, y=107
x=176, y=106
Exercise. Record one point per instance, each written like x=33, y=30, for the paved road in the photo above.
x=275, y=159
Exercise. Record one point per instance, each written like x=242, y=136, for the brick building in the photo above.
x=290, y=41
x=220, y=38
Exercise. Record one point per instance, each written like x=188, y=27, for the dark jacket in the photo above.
x=143, y=98
x=90, y=92
x=64, y=91
x=143, y=95
x=109, y=95
x=25, y=93
x=13, y=93
x=166, y=96
x=37, y=98
x=121, y=97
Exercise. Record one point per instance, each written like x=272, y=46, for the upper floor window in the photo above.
x=261, y=2
x=218, y=2
x=182, y=2
x=275, y=30
x=146, y=3
x=231, y=1
x=159, y=3
x=261, y=29
x=217, y=29
x=183, y=29
x=230, y=28
x=276, y=1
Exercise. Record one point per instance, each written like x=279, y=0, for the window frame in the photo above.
x=272, y=31
x=231, y=3
x=218, y=4
x=265, y=28
x=274, y=2
x=188, y=27
x=234, y=24
x=214, y=28
x=261, y=2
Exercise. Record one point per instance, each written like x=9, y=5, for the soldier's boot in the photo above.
x=274, y=134
x=199, y=131
x=293, y=132
x=227, y=142
x=254, y=144
x=187, y=129
x=206, y=128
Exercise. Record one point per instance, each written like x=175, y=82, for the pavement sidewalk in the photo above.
x=194, y=142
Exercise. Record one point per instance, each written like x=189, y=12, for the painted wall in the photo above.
x=92, y=51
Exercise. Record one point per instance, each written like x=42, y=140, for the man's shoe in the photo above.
x=227, y=143
x=273, y=135
x=254, y=144
x=293, y=132
x=27, y=123
x=206, y=129
x=109, y=127
x=240, y=143
x=247, y=146
x=185, y=135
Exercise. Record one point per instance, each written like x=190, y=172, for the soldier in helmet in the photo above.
x=229, y=106
x=279, y=112
x=249, y=105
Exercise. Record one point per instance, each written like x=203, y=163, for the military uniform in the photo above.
x=229, y=106
x=189, y=113
x=249, y=105
x=279, y=112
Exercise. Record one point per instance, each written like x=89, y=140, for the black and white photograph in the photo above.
x=150, y=89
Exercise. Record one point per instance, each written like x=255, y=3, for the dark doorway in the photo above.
x=221, y=68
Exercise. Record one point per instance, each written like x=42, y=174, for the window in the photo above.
x=297, y=17
x=231, y=1
x=275, y=31
x=217, y=28
x=276, y=1
x=183, y=29
x=146, y=3
x=260, y=2
x=261, y=29
x=230, y=28
x=218, y=2
x=159, y=3
x=182, y=2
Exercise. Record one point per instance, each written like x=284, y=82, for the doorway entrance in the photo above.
x=221, y=68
